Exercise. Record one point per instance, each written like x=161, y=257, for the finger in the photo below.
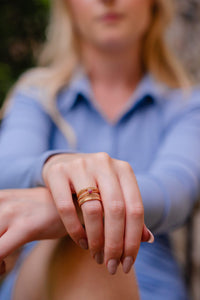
x=60, y=189
x=92, y=215
x=147, y=235
x=11, y=241
x=3, y=230
x=134, y=214
x=114, y=214
x=93, y=218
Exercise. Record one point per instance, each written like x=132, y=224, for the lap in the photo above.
x=66, y=272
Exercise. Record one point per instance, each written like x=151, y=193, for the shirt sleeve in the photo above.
x=171, y=185
x=24, y=143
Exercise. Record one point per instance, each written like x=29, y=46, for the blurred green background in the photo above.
x=22, y=29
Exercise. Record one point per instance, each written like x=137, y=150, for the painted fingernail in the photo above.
x=99, y=257
x=151, y=237
x=83, y=244
x=127, y=264
x=2, y=268
x=112, y=266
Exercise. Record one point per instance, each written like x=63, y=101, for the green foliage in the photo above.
x=22, y=30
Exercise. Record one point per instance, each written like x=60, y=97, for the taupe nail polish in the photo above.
x=83, y=244
x=112, y=266
x=99, y=257
x=127, y=264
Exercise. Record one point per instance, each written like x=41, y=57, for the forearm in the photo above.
x=24, y=143
x=168, y=199
x=171, y=185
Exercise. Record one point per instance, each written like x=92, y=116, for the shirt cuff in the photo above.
x=37, y=178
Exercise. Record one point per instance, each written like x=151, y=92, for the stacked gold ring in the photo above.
x=88, y=194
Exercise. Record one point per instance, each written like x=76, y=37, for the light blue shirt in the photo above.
x=158, y=133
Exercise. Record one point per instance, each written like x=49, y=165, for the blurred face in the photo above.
x=110, y=24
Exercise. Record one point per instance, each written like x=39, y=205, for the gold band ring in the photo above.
x=89, y=198
x=89, y=190
x=88, y=194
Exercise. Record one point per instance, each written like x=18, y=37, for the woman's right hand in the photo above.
x=115, y=228
x=26, y=215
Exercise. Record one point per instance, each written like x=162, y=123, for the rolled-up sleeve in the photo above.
x=171, y=185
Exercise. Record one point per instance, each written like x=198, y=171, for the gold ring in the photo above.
x=89, y=198
x=89, y=190
x=88, y=194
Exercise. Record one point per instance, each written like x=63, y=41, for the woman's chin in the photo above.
x=113, y=45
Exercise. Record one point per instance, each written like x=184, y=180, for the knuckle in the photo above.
x=125, y=167
x=128, y=167
x=79, y=163
x=92, y=209
x=136, y=212
x=117, y=209
x=9, y=211
x=56, y=168
x=65, y=209
x=103, y=157
x=114, y=250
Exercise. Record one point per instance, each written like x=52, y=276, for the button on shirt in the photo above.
x=158, y=133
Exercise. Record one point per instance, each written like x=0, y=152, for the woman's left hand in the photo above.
x=116, y=239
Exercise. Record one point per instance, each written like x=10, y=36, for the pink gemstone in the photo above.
x=90, y=191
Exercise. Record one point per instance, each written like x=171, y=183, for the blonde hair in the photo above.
x=60, y=56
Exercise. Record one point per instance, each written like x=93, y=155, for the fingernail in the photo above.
x=83, y=244
x=112, y=266
x=99, y=257
x=127, y=264
x=2, y=268
x=151, y=237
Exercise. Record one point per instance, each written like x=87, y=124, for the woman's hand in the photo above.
x=123, y=226
x=26, y=215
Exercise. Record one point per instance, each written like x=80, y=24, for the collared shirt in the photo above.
x=158, y=133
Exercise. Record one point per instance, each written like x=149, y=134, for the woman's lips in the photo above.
x=111, y=17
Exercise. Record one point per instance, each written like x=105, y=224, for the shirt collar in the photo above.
x=80, y=85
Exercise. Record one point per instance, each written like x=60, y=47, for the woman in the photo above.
x=109, y=71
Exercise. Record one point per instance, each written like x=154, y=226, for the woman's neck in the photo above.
x=113, y=77
x=113, y=69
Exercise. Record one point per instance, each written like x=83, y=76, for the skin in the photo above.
x=36, y=209
x=31, y=207
x=113, y=46
x=73, y=276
